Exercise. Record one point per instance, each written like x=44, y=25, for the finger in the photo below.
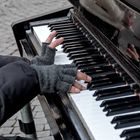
x=133, y=48
x=79, y=86
x=74, y=90
x=133, y=55
x=51, y=37
x=56, y=43
x=83, y=76
x=130, y=52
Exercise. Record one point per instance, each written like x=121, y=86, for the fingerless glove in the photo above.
x=47, y=56
x=55, y=78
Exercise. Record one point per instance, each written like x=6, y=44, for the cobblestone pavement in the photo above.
x=11, y=11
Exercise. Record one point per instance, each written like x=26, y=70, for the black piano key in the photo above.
x=101, y=68
x=81, y=56
x=86, y=58
x=124, y=109
x=133, y=137
x=104, y=85
x=102, y=81
x=95, y=63
x=69, y=34
x=73, y=47
x=62, y=27
x=96, y=74
x=73, y=44
x=80, y=36
x=126, y=120
x=112, y=90
x=66, y=21
x=124, y=104
x=90, y=61
x=106, y=78
x=111, y=77
x=127, y=78
x=84, y=50
x=89, y=69
x=113, y=95
x=126, y=132
x=124, y=117
x=119, y=100
x=76, y=39
x=81, y=42
x=67, y=31
x=128, y=123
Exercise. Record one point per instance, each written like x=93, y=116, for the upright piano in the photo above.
x=109, y=109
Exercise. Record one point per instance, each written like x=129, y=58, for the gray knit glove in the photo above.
x=55, y=78
x=47, y=56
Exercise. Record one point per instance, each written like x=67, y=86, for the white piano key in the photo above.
x=41, y=33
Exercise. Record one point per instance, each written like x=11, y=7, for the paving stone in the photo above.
x=16, y=130
x=47, y=138
x=38, y=108
x=6, y=130
x=40, y=114
x=40, y=127
x=9, y=135
x=47, y=127
x=43, y=134
x=40, y=121
x=9, y=123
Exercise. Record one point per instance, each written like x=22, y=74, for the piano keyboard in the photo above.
x=109, y=108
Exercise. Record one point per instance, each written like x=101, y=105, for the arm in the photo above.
x=18, y=85
x=14, y=138
x=6, y=59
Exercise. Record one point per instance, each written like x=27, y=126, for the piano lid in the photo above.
x=98, y=14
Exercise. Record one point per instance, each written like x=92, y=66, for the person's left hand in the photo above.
x=48, y=50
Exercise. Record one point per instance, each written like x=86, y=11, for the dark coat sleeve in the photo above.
x=14, y=138
x=6, y=59
x=18, y=86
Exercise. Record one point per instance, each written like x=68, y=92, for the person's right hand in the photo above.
x=59, y=78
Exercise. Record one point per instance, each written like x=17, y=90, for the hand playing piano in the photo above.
x=59, y=78
x=132, y=52
x=48, y=50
